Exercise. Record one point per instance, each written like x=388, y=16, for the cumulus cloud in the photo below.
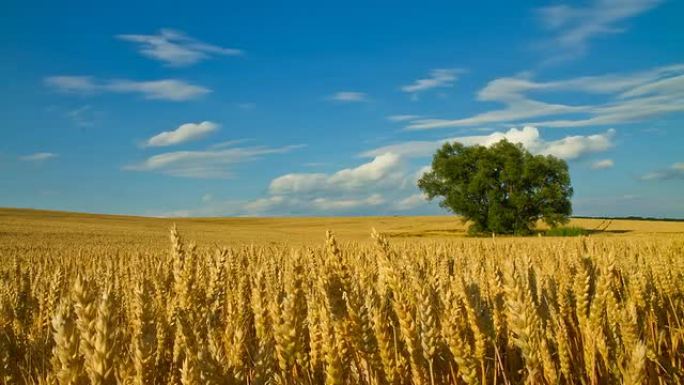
x=184, y=133
x=384, y=168
x=207, y=164
x=175, y=48
x=573, y=147
x=268, y=204
x=602, y=164
x=674, y=172
x=165, y=89
x=570, y=147
x=576, y=26
x=438, y=78
x=38, y=157
x=383, y=183
x=629, y=97
x=349, y=97
x=410, y=202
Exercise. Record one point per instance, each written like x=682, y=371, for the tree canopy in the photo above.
x=501, y=188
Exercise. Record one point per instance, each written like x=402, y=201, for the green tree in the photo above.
x=501, y=188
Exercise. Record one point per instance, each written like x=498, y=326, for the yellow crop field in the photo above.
x=90, y=299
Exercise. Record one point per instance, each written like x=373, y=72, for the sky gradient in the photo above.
x=213, y=109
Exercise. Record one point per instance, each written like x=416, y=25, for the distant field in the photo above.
x=21, y=225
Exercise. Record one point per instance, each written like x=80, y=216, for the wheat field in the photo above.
x=120, y=300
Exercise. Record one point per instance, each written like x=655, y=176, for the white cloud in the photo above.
x=576, y=26
x=208, y=164
x=323, y=204
x=169, y=89
x=411, y=202
x=571, y=147
x=184, y=133
x=175, y=48
x=376, y=184
x=383, y=169
x=328, y=204
x=228, y=143
x=349, y=97
x=674, y=172
x=38, y=157
x=402, y=118
x=165, y=89
x=76, y=84
x=437, y=78
x=384, y=184
x=268, y=204
x=602, y=164
x=296, y=183
x=629, y=98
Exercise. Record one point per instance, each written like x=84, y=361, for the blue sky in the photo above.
x=309, y=108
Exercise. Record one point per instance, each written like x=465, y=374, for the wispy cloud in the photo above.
x=177, y=49
x=83, y=116
x=570, y=147
x=292, y=204
x=228, y=143
x=630, y=97
x=165, y=89
x=207, y=164
x=674, y=172
x=402, y=118
x=38, y=157
x=184, y=133
x=75, y=84
x=349, y=97
x=438, y=78
x=602, y=164
x=575, y=26
x=330, y=204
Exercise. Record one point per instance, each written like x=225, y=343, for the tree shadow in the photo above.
x=591, y=232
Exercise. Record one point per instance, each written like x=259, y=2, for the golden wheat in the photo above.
x=472, y=311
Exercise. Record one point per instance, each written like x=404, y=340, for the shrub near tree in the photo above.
x=502, y=188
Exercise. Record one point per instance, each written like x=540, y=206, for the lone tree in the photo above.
x=501, y=188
